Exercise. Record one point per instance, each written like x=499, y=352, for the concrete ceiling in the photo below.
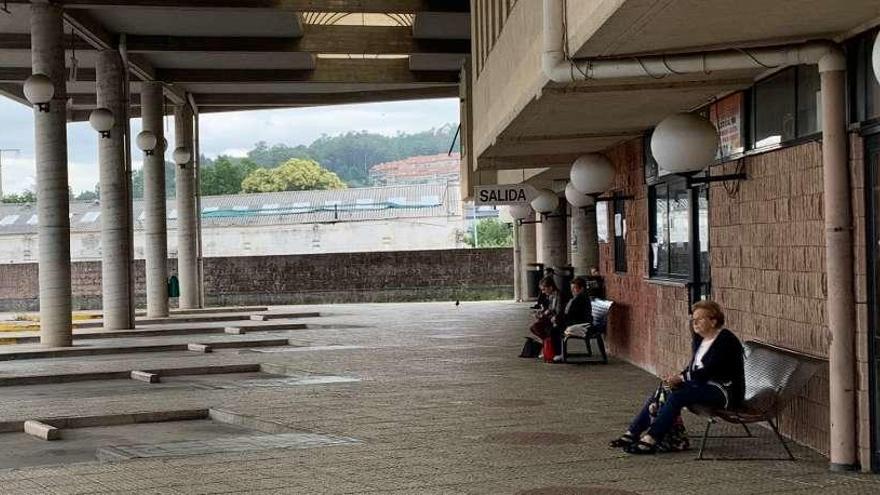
x=256, y=53
x=649, y=26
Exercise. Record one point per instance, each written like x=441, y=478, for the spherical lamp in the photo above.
x=146, y=142
x=592, y=174
x=684, y=143
x=101, y=120
x=577, y=198
x=520, y=212
x=39, y=90
x=875, y=57
x=181, y=156
x=545, y=202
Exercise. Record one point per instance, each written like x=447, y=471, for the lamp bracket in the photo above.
x=692, y=181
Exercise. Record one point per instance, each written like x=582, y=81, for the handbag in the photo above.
x=676, y=440
x=541, y=327
x=531, y=348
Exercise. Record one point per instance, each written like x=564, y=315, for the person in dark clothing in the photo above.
x=715, y=378
x=544, y=300
x=595, y=284
x=554, y=311
x=578, y=311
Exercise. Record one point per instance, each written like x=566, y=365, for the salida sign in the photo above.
x=505, y=194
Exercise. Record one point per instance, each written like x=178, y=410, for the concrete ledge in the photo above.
x=234, y=330
x=8, y=381
x=96, y=351
x=143, y=376
x=259, y=318
x=198, y=347
x=41, y=430
x=246, y=421
x=126, y=419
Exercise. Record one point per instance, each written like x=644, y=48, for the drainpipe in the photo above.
x=839, y=264
x=838, y=214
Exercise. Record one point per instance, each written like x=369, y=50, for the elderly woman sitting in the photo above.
x=714, y=378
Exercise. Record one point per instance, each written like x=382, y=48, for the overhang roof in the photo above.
x=246, y=54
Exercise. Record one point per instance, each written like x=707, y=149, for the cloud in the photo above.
x=232, y=133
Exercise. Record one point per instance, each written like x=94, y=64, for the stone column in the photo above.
x=554, y=238
x=584, y=240
x=517, y=264
x=155, y=226
x=47, y=57
x=116, y=249
x=528, y=254
x=187, y=267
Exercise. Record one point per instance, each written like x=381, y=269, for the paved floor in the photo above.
x=433, y=394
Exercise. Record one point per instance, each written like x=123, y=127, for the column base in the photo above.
x=843, y=468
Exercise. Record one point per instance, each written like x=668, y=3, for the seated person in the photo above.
x=714, y=378
x=553, y=312
x=578, y=311
x=595, y=284
x=543, y=300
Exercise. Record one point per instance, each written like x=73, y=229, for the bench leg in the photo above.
x=781, y=440
x=564, y=348
x=587, y=343
x=709, y=424
x=748, y=431
x=601, y=343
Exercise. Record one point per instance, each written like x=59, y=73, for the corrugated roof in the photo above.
x=281, y=208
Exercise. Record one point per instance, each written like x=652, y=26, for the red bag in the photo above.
x=549, y=352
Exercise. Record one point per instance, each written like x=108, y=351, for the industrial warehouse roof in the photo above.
x=280, y=208
x=247, y=54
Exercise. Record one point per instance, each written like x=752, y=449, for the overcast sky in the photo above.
x=227, y=133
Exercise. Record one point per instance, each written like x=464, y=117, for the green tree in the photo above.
x=293, y=175
x=225, y=175
x=87, y=196
x=27, y=196
x=137, y=182
x=491, y=233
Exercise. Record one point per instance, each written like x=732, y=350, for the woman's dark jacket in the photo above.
x=578, y=310
x=722, y=365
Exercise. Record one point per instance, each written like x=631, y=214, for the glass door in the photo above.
x=872, y=220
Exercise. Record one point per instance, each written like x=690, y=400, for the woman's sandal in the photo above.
x=641, y=448
x=625, y=440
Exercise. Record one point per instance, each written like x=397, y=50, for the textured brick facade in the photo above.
x=322, y=278
x=767, y=255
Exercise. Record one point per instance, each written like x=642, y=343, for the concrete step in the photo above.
x=9, y=354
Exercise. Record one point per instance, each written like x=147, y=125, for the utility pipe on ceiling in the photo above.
x=840, y=301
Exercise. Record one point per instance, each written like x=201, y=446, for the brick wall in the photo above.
x=322, y=278
x=767, y=261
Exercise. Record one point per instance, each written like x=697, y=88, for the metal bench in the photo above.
x=774, y=376
x=593, y=331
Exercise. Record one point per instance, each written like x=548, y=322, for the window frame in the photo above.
x=619, y=207
x=751, y=119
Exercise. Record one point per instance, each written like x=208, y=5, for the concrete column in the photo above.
x=116, y=249
x=554, y=238
x=155, y=227
x=50, y=146
x=528, y=254
x=517, y=265
x=187, y=262
x=584, y=240
x=839, y=264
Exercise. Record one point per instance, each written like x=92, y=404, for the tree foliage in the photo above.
x=26, y=196
x=491, y=233
x=137, y=182
x=225, y=175
x=294, y=175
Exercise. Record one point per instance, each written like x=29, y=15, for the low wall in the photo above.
x=436, y=275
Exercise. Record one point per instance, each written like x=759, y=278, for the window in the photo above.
x=863, y=86
x=619, y=235
x=726, y=114
x=670, y=227
x=785, y=106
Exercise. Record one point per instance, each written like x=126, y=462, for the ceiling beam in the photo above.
x=315, y=99
x=379, y=40
x=365, y=6
x=14, y=92
x=326, y=71
x=22, y=41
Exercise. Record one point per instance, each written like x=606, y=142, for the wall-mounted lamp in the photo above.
x=576, y=198
x=39, y=90
x=592, y=173
x=875, y=58
x=102, y=121
x=147, y=142
x=181, y=156
x=685, y=144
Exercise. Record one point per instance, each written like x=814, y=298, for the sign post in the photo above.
x=504, y=194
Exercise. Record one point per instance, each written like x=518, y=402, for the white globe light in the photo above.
x=546, y=201
x=684, y=142
x=101, y=120
x=520, y=212
x=181, y=156
x=875, y=57
x=146, y=141
x=38, y=89
x=592, y=173
x=577, y=198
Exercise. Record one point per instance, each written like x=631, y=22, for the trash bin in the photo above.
x=533, y=277
x=173, y=287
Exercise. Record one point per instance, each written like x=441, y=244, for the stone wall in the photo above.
x=465, y=274
x=767, y=263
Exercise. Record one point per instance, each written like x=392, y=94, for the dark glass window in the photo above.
x=785, y=106
x=670, y=227
x=619, y=235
